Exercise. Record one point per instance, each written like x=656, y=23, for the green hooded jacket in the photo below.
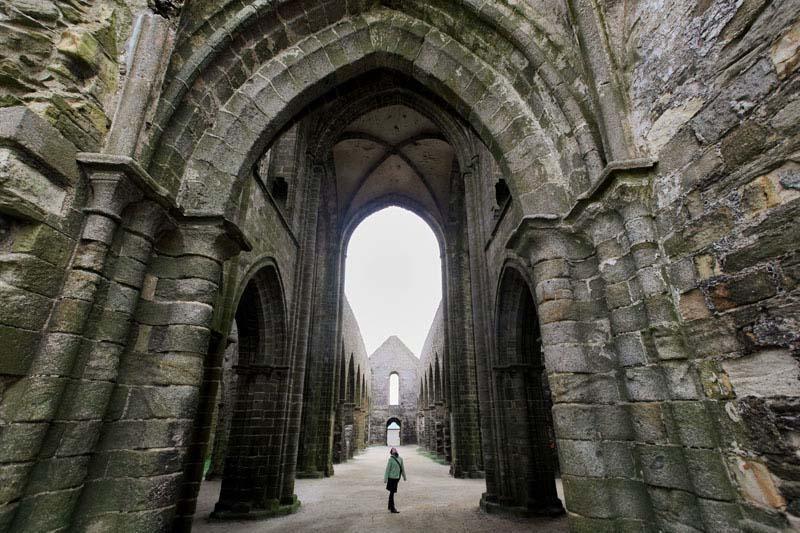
x=394, y=469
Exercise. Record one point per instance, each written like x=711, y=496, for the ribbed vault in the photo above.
x=393, y=150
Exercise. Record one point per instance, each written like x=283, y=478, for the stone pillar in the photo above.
x=677, y=444
x=339, y=449
x=440, y=423
x=476, y=221
x=349, y=429
x=599, y=475
x=135, y=473
x=300, y=318
x=87, y=332
x=462, y=390
x=225, y=403
x=315, y=458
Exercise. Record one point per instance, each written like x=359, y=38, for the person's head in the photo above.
x=393, y=451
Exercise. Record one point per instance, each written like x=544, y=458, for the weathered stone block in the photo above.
x=695, y=424
x=764, y=373
x=12, y=480
x=606, y=498
x=743, y=144
x=584, y=388
x=721, y=516
x=30, y=273
x=58, y=473
x=670, y=344
x=84, y=400
x=573, y=421
x=179, y=338
x=81, y=285
x=583, y=358
x=756, y=483
x=714, y=380
x=129, y=271
x=693, y=305
x=129, y=494
x=32, y=399
x=664, y=466
x=785, y=52
x=143, y=434
x=139, y=463
x=71, y=438
x=682, y=380
x=628, y=319
x=650, y=422
x=25, y=128
x=161, y=369
x=596, y=458
x=20, y=347
x=59, y=505
x=750, y=288
x=169, y=313
x=676, y=509
x=630, y=349
x=645, y=384
x=709, y=474
x=161, y=402
x=21, y=308
x=701, y=232
x=19, y=440
x=44, y=242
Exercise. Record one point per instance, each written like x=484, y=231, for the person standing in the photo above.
x=394, y=469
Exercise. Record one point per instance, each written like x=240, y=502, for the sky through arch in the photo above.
x=393, y=277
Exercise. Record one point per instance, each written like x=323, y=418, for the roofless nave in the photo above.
x=614, y=187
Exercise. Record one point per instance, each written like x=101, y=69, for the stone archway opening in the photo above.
x=527, y=458
x=393, y=281
x=245, y=435
x=393, y=430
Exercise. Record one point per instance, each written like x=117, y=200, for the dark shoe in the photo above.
x=394, y=510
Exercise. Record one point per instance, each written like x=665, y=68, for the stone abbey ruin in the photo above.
x=614, y=184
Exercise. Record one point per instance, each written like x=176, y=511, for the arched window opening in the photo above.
x=394, y=389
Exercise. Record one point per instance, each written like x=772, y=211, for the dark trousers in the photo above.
x=391, y=486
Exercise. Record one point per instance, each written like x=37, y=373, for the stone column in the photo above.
x=591, y=423
x=677, y=443
x=477, y=220
x=315, y=457
x=300, y=320
x=225, y=400
x=349, y=428
x=463, y=392
x=440, y=423
x=87, y=330
x=136, y=471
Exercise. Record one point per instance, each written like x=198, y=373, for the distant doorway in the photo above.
x=393, y=432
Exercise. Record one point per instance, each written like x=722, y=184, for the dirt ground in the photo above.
x=354, y=500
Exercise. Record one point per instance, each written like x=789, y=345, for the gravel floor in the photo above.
x=354, y=500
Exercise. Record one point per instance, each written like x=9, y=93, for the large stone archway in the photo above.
x=160, y=153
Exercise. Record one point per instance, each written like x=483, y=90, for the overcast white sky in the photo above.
x=393, y=278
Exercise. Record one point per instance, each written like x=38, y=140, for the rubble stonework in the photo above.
x=614, y=187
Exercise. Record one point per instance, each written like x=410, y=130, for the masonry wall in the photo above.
x=352, y=420
x=717, y=104
x=393, y=357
